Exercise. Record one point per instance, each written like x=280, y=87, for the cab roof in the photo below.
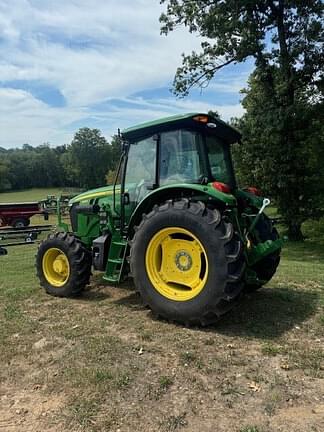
x=186, y=121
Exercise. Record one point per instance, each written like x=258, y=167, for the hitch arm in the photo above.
x=265, y=204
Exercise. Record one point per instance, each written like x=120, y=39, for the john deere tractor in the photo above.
x=174, y=220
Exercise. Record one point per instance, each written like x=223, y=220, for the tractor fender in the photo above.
x=164, y=193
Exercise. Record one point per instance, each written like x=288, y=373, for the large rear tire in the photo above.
x=63, y=265
x=187, y=262
x=267, y=267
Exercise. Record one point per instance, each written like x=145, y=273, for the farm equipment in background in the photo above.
x=52, y=202
x=49, y=203
x=18, y=215
x=177, y=223
x=21, y=236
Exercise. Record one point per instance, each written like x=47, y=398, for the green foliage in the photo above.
x=89, y=155
x=115, y=150
x=282, y=129
x=273, y=32
x=30, y=167
x=83, y=163
x=4, y=171
x=114, y=159
x=289, y=170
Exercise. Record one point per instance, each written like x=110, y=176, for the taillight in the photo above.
x=254, y=191
x=222, y=187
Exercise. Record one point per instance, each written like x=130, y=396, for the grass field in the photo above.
x=28, y=195
x=102, y=363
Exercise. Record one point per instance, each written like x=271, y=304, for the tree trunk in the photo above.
x=295, y=232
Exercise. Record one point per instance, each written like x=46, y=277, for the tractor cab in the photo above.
x=174, y=220
x=190, y=149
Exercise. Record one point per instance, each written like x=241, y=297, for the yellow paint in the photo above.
x=97, y=195
x=56, y=267
x=177, y=267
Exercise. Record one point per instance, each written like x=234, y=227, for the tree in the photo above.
x=33, y=167
x=296, y=181
x=283, y=37
x=114, y=159
x=4, y=171
x=88, y=158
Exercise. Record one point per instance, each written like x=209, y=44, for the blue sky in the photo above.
x=95, y=63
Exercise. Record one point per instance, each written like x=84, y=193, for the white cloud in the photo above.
x=25, y=119
x=91, y=51
x=120, y=48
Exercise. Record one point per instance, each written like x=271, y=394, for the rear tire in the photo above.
x=201, y=241
x=267, y=267
x=63, y=265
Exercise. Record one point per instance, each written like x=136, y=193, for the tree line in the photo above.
x=87, y=162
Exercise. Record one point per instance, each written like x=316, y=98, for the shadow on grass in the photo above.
x=266, y=314
x=94, y=293
x=269, y=313
x=99, y=290
x=133, y=301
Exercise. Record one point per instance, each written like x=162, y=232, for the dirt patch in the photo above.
x=30, y=410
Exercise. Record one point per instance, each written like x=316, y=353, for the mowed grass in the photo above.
x=28, y=195
x=101, y=362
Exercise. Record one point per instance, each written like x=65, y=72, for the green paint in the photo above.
x=159, y=122
x=262, y=250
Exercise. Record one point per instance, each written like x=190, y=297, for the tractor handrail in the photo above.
x=115, y=182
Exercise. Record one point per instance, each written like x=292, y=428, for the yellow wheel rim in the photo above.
x=176, y=264
x=56, y=267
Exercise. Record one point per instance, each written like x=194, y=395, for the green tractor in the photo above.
x=174, y=220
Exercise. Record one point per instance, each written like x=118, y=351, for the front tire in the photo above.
x=187, y=262
x=63, y=265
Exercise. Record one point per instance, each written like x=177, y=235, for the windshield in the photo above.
x=219, y=160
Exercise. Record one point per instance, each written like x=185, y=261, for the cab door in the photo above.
x=140, y=173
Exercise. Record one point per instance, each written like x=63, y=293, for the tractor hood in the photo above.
x=104, y=194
